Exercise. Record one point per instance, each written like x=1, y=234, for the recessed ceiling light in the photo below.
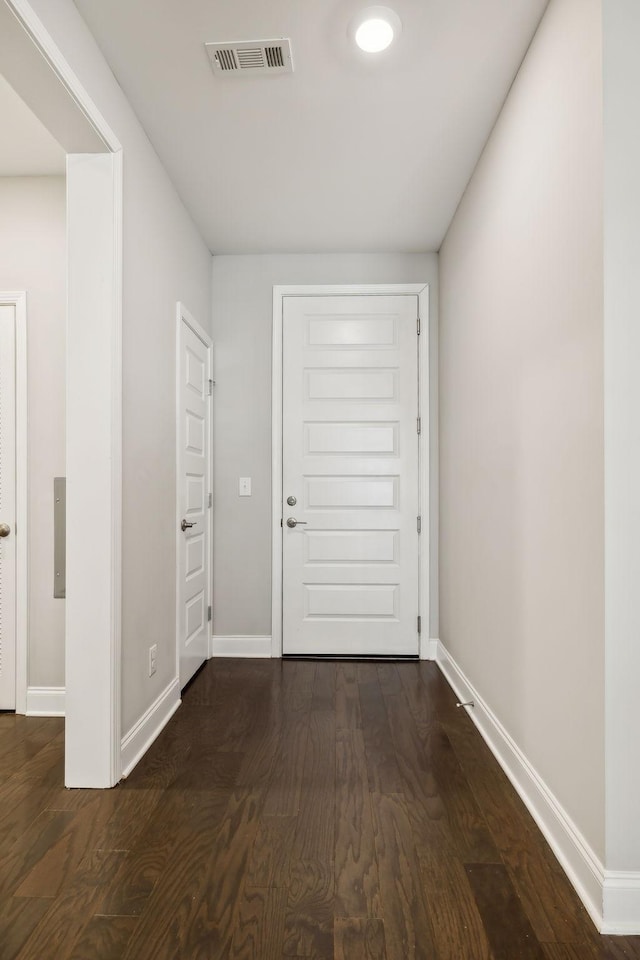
x=375, y=28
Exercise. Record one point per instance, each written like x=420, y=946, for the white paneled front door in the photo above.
x=194, y=485
x=350, y=475
x=7, y=508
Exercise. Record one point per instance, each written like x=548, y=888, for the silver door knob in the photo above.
x=292, y=522
x=185, y=525
x=291, y=501
x=5, y=529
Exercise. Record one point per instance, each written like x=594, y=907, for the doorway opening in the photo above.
x=33, y=66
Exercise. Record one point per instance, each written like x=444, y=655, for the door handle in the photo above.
x=185, y=525
x=292, y=522
x=5, y=529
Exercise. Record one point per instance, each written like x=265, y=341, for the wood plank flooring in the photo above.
x=290, y=809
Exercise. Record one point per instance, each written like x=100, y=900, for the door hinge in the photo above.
x=211, y=383
x=210, y=499
x=418, y=325
x=209, y=613
x=419, y=423
x=419, y=524
x=419, y=624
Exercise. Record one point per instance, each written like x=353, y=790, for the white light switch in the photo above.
x=244, y=487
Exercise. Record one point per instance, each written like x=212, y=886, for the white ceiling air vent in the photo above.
x=250, y=58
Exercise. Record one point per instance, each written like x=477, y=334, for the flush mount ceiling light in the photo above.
x=375, y=28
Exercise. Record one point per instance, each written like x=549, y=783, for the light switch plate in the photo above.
x=244, y=487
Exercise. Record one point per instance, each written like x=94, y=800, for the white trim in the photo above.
x=419, y=290
x=579, y=861
x=45, y=701
x=116, y=467
x=18, y=300
x=428, y=648
x=94, y=470
x=22, y=510
x=621, y=903
x=152, y=722
x=255, y=647
x=424, y=448
x=184, y=316
x=276, y=473
x=34, y=27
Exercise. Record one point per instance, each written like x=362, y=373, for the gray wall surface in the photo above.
x=242, y=331
x=521, y=417
x=165, y=260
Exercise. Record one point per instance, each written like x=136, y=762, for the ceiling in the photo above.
x=30, y=150
x=351, y=152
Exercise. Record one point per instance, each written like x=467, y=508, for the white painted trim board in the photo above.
x=45, y=702
x=611, y=899
x=152, y=722
x=428, y=648
x=49, y=50
x=621, y=903
x=241, y=646
x=424, y=448
x=94, y=472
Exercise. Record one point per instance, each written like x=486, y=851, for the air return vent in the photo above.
x=250, y=58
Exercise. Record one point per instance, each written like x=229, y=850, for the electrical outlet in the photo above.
x=153, y=659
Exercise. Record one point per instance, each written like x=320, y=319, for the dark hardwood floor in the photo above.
x=290, y=809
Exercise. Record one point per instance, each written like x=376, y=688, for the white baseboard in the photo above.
x=137, y=741
x=580, y=863
x=429, y=648
x=258, y=647
x=621, y=899
x=45, y=701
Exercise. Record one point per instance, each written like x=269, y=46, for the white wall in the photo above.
x=622, y=408
x=165, y=260
x=242, y=328
x=521, y=418
x=33, y=258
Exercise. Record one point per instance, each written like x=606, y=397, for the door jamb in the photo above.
x=18, y=300
x=421, y=291
x=183, y=316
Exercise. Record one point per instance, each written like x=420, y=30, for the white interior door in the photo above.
x=350, y=475
x=194, y=485
x=7, y=507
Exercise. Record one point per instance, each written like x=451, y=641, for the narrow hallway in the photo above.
x=290, y=809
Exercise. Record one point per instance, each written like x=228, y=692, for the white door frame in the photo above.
x=18, y=300
x=183, y=316
x=94, y=412
x=421, y=291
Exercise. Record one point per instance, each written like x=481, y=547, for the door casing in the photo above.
x=421, y=290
